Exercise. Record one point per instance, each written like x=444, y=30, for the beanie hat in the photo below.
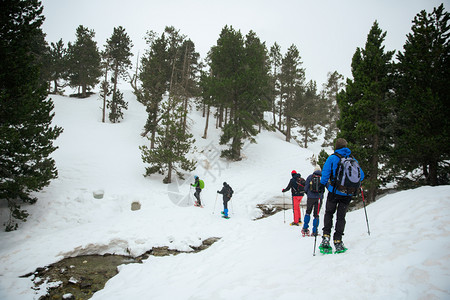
x=340, y=143
x=225, y=184
x=294, y=172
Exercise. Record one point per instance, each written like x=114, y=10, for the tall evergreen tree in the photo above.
x=83, y=61
x=26, y=135
x=292, y=79
x=57, y=66
x=118, y=57
x=309, y=113
x=275, y=61
x=171, y=146
x=335, y=82
x=154, y=75
x=190, y=75
x=365, y=106
x=239, y=71
x=422, y=137
x=116, y=105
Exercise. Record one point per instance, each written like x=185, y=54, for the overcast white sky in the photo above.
x=326, y=32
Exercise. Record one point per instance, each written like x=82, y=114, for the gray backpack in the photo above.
x=348, y=175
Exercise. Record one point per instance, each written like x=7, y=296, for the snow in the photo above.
x=405, y=256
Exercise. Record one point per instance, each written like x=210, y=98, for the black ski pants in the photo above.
x=197, y=195
x=310, y=204
x=225, y=202
x=340, y=204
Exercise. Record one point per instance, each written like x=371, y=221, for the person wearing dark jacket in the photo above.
x=313, y=202
x=198, y=190
x=298, y=191
x=227, y=193
x=336, y=200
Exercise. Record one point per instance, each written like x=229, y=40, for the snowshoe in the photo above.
x=325, y=247
x=305, y=232
x=339, y=245
x=294, y=224
x=225, y=217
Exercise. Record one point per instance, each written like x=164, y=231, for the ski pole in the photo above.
x=302, y=210
x=365, y=212
x=315, y=236
x=315, y=240
x=215, y=203
x=232, y=207
x=284, y=208
x=189, y=198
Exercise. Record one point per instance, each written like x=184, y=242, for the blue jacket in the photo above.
x=309, y=193
x=330, y=166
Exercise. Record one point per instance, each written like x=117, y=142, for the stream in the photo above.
x=81, y=276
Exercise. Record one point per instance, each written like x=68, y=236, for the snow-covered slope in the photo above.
x=405, y=257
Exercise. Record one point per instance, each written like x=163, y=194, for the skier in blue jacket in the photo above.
x=336, y=200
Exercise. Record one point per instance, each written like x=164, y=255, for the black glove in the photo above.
x=218, y=192
x=283, y=190
x=321, y=188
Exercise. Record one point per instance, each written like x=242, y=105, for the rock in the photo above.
x=68, y=296
x=135, y=206
x=98, y=194
x=73, y=280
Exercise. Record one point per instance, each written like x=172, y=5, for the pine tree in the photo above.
x=275, y=61
x=171, y=145
x=292, y=80
x=239, y=69
x=116, y=105
x=422, y=132
x=26, y=134
x=57, y=66
x=154, y=75
x=118, y=59
x=189, y=80
x=331, y=115
x=308, y=113
x=366, y=107
x=205, y=84
x=83, y=61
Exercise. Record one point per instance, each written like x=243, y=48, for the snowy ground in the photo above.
x=405, y=257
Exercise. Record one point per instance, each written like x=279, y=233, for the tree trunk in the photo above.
x=169, y=173
x=186, y=71
x=205, y=134
x=433, y=178
x=280, y=113
x=288, y=128
x=220, y=116
x=306, y=138
x=55, y=82
x=226, y=116
x=83, y=90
